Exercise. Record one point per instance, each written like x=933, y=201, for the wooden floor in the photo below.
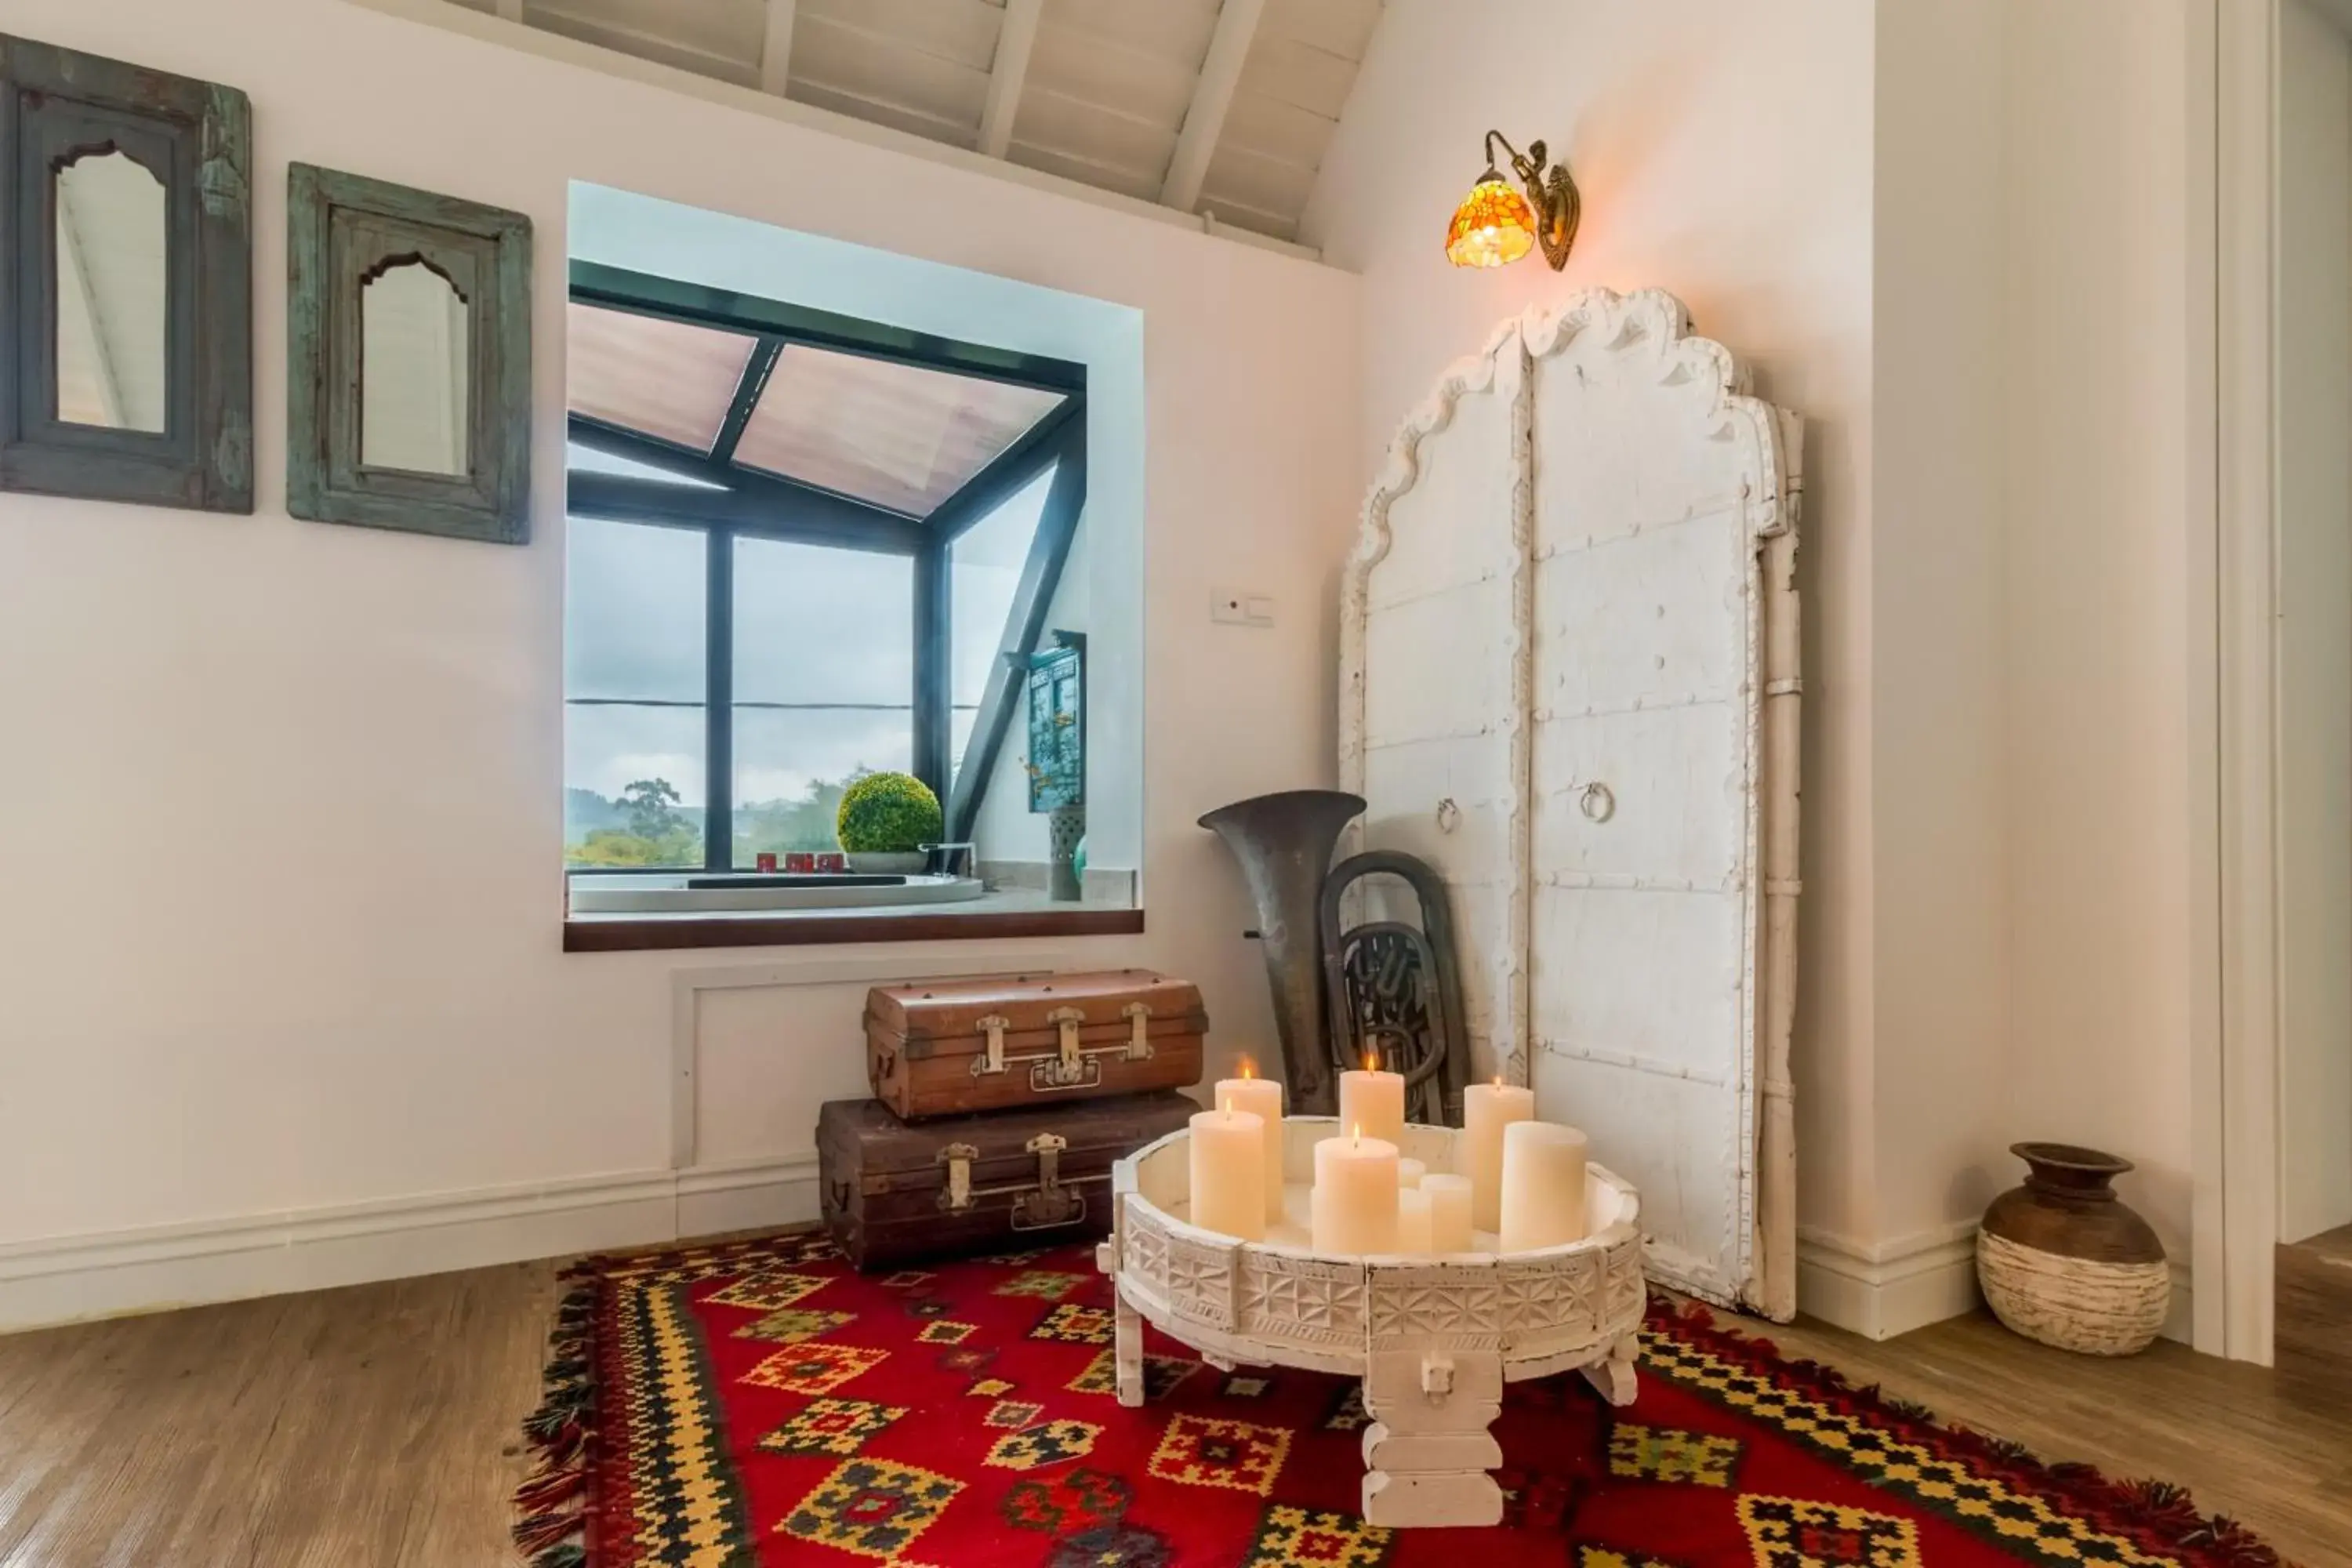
x=374, y=1427
x=2314, y=1320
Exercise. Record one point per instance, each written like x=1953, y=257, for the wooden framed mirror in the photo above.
x=127, y=276
x=408, y=358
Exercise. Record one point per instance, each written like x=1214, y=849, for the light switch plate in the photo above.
x=1239, y=607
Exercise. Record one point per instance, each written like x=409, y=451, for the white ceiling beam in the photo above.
x=1014, y=39
x=776, y=46
x=1213, y=95
x=643, y=45
x=707, y=78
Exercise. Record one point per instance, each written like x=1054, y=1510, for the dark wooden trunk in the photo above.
x=1057, y=1038
x=891, y=1193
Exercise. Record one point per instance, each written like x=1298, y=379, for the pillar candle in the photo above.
x=1409, y=1174
x=1354, y=1207
x=1228, y=1186
x=1261, y=1097
x=1486, y=1110
x=1412, y=1221
x=1449, y=1211
x=1543, y=1186
x=1372, y=1102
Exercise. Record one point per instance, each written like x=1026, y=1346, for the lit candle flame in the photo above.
x=1498, y=1080
x=1371, y=1061
x=1229, y=1105
x=1356, y=1132
x=1249, y=1068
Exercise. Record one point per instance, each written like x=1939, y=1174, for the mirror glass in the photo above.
x=111, y=293
x=412, y=371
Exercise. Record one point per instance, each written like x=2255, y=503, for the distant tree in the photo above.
x=780, y=826
x=652, y=807
x=612, y=846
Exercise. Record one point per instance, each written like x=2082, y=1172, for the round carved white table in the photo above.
x=1434, y=1338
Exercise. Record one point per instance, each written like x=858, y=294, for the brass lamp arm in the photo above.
x=1519, y=164
x=1551, y=192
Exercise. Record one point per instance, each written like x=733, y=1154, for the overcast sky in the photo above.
x=812, y=626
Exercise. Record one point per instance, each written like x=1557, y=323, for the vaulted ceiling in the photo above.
x=1216, y=106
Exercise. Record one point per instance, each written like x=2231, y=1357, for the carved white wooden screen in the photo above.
x=1434, y=687
x=1649, y=880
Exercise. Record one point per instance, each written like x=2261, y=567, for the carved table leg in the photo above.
x=1428, y=1450
x=1615, y=1376
x=1127, y=1352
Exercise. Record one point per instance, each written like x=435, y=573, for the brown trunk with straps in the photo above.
x=949, y=1047
x=893, y=1191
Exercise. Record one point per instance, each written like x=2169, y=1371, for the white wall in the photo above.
x=2096, y=397
x=2314, y=629
x=1940, y=806
x=1724, y=152
x=283, y=937
x=2030, y=626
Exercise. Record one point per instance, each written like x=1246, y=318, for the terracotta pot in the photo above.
x=2062, y=1260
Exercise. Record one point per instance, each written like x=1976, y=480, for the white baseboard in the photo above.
x=1889, y=1288
x=64, y=1280
x=1892, y=1287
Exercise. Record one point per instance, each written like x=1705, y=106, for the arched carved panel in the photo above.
x=1433, y=671
x=1609, y=616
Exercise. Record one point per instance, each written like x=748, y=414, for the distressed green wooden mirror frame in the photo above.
x=195, y=138
x=343, y=229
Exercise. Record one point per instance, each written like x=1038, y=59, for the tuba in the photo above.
x=1284, y=842
x=1394, y=987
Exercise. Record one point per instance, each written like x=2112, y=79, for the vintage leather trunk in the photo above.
x=894, y=1191
x=955, y=1046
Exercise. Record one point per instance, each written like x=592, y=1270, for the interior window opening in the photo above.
x=815, y=568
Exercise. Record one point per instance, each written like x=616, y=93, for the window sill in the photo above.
x=798, y=928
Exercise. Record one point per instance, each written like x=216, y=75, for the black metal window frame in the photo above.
x=751, y=503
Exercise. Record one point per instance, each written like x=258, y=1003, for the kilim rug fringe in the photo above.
x=587, y=1433
x=2161, y=1517
x=554, y=1523
x=551, y=1504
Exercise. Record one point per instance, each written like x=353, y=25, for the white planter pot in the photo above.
x=901, y=863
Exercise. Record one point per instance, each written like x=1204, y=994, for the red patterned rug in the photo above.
x=760, y=1403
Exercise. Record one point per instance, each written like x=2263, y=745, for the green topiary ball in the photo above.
x=887, y=814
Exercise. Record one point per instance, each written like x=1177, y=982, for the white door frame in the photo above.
x=2233, y=738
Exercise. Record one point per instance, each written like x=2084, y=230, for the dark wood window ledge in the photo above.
x=623, y=934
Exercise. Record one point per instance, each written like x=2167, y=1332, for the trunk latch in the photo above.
x=993, y=1027
x=1049, y=1203
x=1071, y=1064
x=1052, y=1204
x=958, y=1159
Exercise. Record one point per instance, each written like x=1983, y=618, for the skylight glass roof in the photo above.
x=898, y=436
x=667, y=379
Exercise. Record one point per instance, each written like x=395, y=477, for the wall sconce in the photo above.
x=1495, y=225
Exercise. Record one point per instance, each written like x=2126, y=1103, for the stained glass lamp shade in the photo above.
x=1494, y=226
